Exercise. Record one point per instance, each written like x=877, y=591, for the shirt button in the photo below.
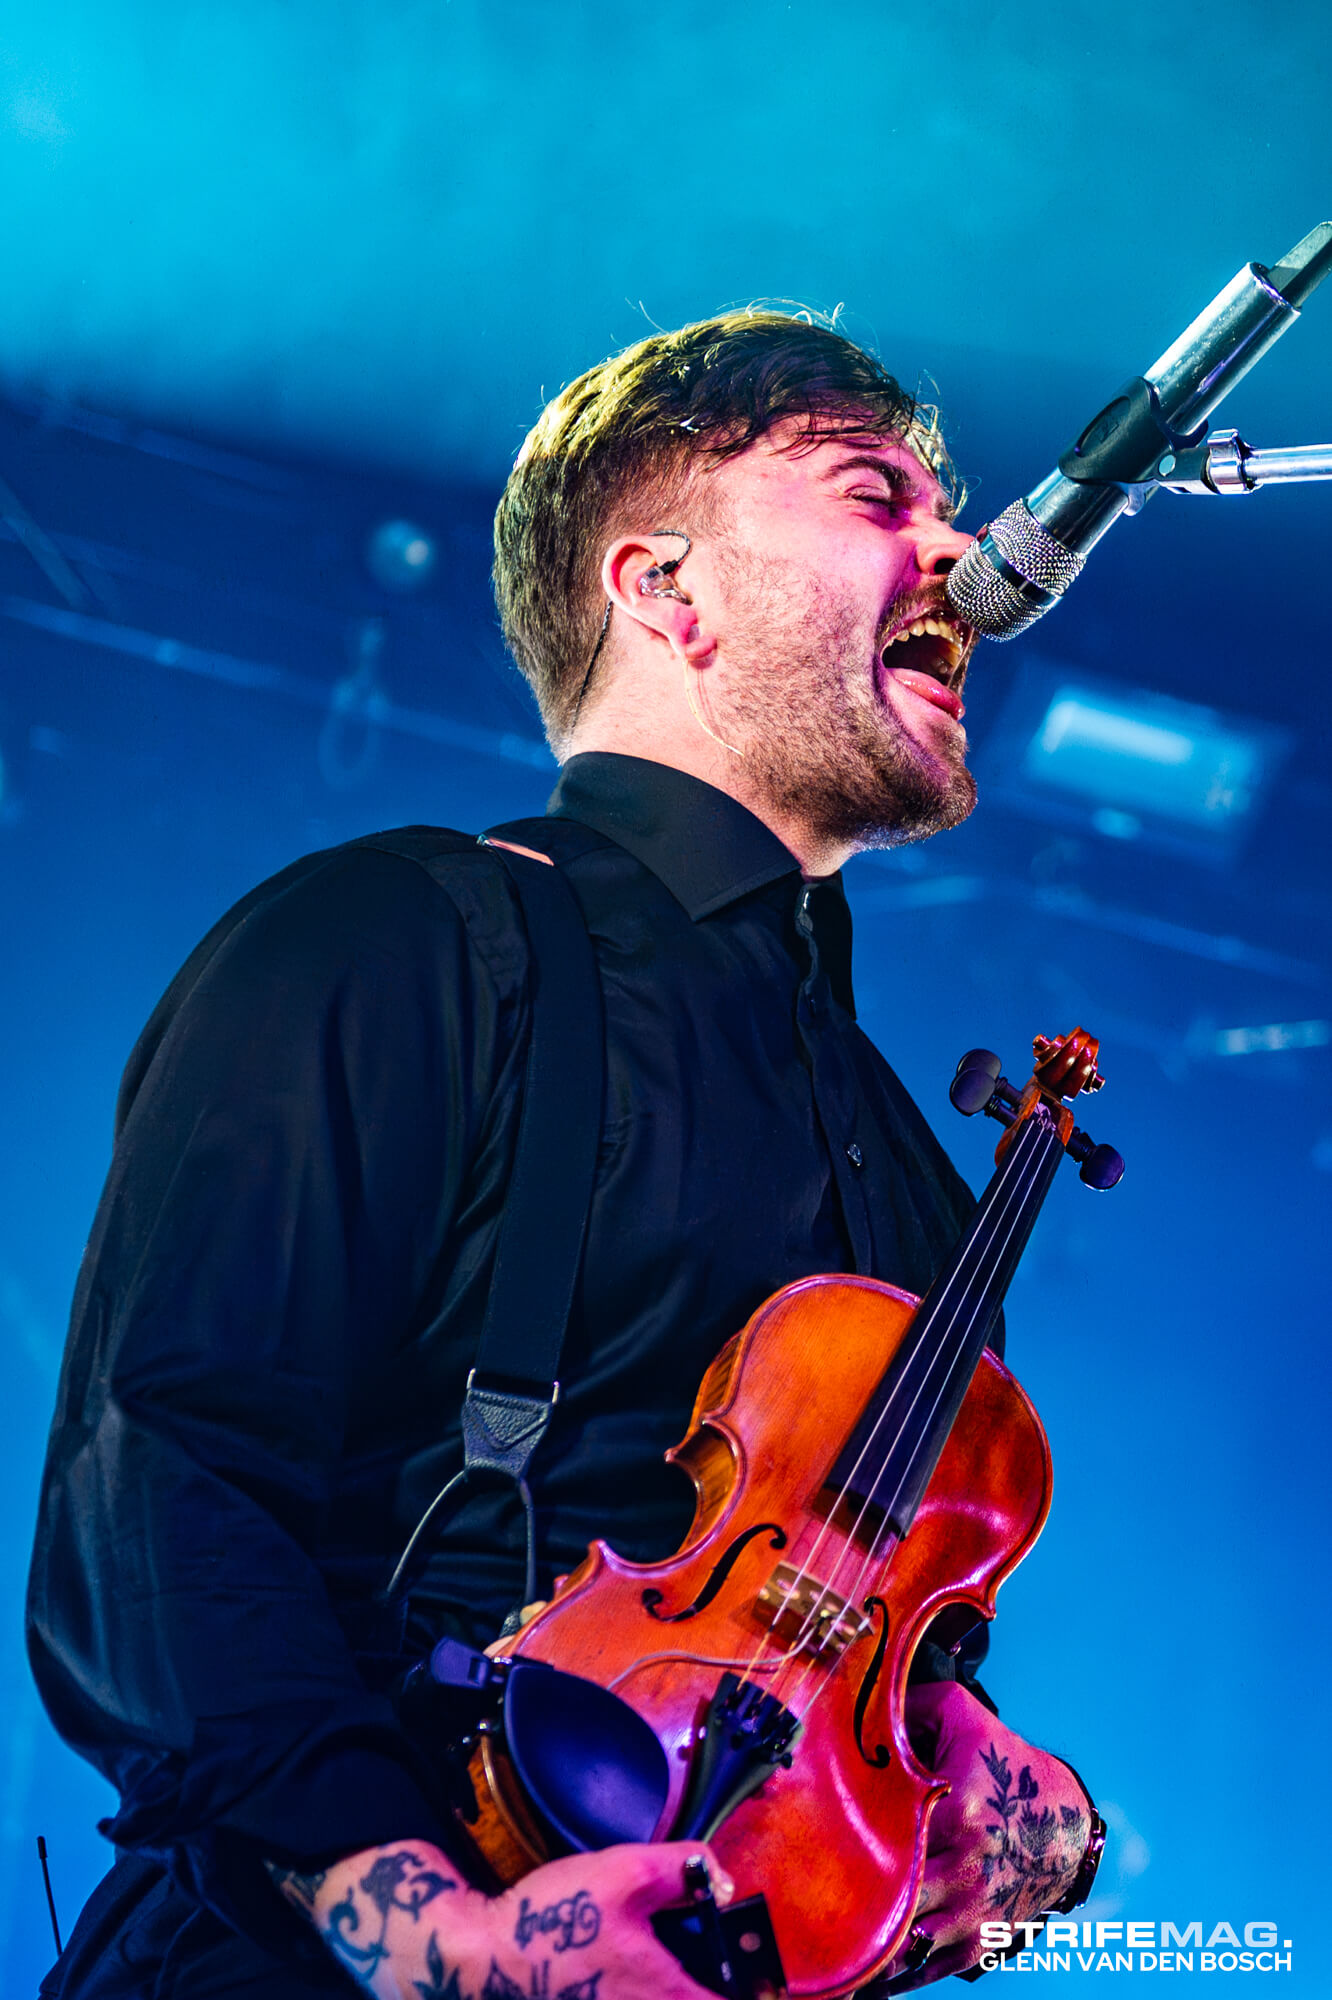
x=854, y=1154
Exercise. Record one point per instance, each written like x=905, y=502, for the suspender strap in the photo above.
x=545, y=1211
x=513, y=1389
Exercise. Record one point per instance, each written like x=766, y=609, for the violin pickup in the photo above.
x=807, y=1615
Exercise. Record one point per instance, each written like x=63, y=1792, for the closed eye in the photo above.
x=898, y=488
x=882, y=499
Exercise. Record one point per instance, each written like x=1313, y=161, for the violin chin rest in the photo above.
x=591, y=1767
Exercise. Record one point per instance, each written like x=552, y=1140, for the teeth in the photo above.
x=931, y=628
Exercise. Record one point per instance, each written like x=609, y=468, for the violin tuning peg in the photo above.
x=1103, y=1168
x=974, y=1081
x=970, y=1091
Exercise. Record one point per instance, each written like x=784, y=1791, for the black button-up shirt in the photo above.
x=285, y=1283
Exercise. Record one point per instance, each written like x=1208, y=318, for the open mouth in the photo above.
x=928, y=656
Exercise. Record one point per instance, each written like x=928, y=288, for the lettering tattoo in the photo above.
x=570, y=1923
x=1036, y=1851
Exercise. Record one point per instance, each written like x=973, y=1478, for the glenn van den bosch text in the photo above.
x=1147, y=1946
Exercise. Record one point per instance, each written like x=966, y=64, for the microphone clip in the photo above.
x=1124, y=444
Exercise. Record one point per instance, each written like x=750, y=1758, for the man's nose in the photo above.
x=940, y=547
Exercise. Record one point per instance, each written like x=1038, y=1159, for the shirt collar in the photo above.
x=706, y=847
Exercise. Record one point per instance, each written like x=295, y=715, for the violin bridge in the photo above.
x=806, y=1614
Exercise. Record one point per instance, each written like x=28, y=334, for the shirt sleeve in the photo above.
x=293, y=1134
x=960, y=1662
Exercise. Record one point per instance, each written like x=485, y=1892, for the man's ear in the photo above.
x=658, y=600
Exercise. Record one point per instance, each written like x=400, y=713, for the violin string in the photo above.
x=1002, y=1193
x=1012, y=1191
x=874, y=1559
x=1024, y=1196
x=871, y=1558
x=1007, y=1190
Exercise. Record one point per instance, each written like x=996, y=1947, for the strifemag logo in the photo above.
x=1063, y=1945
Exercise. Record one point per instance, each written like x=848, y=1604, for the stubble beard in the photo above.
x=818, y=738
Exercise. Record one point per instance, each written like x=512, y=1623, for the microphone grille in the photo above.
x=987, y=600
x=996, y=603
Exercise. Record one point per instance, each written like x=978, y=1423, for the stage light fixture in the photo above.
x=400, y=556
x=1131, y=765
x=1271, y=1036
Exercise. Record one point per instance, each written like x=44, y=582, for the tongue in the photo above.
x=932, y=690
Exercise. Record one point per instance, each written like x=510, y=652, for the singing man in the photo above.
x=720, y=563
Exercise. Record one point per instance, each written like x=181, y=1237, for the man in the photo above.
x=720, y=562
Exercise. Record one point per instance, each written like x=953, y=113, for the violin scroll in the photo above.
x=1062, y=1068
x=1069, y=1060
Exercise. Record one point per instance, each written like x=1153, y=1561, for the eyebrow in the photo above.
x=896, y=478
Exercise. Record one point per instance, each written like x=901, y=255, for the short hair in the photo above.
x=616, y=450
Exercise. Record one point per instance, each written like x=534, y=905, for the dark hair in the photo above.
x=616, y=450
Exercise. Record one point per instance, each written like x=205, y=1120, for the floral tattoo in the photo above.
x=1035, y=1850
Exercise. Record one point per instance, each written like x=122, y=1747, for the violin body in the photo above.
x=835, y=1841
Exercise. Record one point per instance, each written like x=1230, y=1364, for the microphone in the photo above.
x=1026, y=559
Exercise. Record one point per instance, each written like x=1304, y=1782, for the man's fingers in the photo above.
x=948, y=1920
x=926, y=1701
x=943, y=1961
x=657, y=1875
x=939, y=1716
x=656, y=1878
x=956, y=1837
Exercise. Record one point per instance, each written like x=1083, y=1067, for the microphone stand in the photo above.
x=1224, y=463
x=1153, y=433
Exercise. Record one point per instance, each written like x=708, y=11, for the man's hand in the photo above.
x=1005, y=1843
x=403, y=1922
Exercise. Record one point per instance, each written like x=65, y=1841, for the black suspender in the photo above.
x=514, y=1386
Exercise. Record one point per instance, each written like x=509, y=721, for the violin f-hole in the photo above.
x=881, y=1756
x=717, y=1576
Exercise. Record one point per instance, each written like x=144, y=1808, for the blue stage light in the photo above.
x=400, y=556
x=1132, y=765
x=1272, y=1035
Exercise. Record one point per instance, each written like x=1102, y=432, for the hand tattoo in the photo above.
x=1036, y=1852
x=499, y=1986
x=437, y=1987
x=381, y=1885
x=575, y=1921
x=400, y=1880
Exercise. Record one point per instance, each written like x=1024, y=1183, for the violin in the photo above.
x=863, y=1468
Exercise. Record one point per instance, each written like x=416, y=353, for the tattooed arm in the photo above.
x=405, y=1924
x=1007, y=1841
